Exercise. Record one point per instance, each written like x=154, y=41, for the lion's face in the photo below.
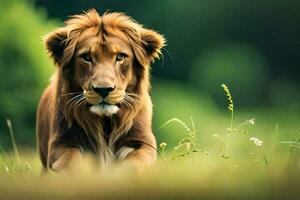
x=106, y=58
x=104, y=70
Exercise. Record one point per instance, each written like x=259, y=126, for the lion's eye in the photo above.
x=86, y=58
x=121, y=56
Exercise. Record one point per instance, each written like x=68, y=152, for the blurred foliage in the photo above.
x=176, y=100
x=25, y=68
x=172, y=99
x=241, y=66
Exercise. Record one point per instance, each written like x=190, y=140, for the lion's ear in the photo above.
x=153, y=42
x=55, y=43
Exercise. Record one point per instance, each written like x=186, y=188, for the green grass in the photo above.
x=205, y=154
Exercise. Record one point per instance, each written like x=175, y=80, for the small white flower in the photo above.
x=256, y=141
x=163, y=145
x=251, y=121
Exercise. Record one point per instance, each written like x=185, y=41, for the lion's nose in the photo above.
x=103, y=91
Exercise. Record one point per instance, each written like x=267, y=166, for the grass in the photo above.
x=235, y=161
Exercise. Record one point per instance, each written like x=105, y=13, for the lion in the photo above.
x=98, y=99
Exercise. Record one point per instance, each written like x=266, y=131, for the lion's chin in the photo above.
x=104, y=109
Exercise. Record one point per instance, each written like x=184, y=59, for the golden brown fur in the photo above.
x=92, y=52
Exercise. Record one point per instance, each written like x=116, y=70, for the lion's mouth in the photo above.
x=104, y=109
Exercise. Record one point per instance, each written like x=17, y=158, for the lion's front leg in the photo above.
x=65, y=159
x=143, y=157
x=139, y=159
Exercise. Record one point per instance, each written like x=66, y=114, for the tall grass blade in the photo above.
x=13, y=141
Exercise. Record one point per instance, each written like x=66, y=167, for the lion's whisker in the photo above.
x=73, y=98
x=72, y=102
x=128, y=98
x=128, y=104
x=132, y=94
x=67, y=94
x=129, y=101
x=79, y=102
x=70, y=93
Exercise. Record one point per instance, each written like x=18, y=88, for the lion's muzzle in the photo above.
x=103, y=102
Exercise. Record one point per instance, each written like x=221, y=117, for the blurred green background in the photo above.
x=252, y=46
